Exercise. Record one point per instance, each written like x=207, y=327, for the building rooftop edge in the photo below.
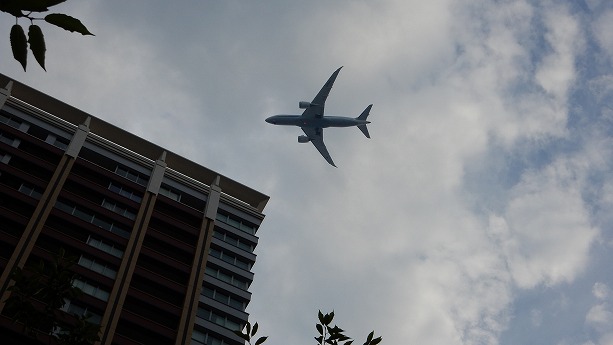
x=134, y=143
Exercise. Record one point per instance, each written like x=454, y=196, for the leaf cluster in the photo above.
x=334, y=335
x=328, y=334
x=249, y=334
x=37, y=294
x=35, y=38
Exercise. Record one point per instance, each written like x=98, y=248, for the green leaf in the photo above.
x=248, y=328
x=51, y=3
x=67, y=23
x=11, y=6
x=261, y=340
x=37, y=44
x=335, y=336
x=336, y=329
x=372, y=334
x=320, y=316
x=376, y=341
x=255, y=329
x=320, y=329
x=19, y=45
x=328, y=318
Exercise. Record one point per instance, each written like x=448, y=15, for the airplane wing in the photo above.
x=316, y=110
x=317, y=138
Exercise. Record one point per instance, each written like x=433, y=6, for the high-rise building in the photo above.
x=163, y=246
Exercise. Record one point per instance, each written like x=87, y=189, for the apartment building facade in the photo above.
x=163, y=246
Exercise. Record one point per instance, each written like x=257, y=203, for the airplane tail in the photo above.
x=363, y=117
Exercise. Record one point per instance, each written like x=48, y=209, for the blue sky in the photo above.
x=478, y=213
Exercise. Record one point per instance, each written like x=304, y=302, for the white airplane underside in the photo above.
x=312, y=121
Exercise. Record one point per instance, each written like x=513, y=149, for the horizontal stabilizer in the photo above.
x=364, y=130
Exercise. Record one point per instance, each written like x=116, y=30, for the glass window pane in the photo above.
x=83, y=215
x=237, y=304
x=221, y=297
x=101, y=223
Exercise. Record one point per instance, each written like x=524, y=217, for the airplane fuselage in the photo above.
x=323, y=122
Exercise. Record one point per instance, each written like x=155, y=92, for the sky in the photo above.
x=479, y=212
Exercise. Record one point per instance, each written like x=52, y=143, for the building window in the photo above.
x=131, y=175
x=77, y=310
x=224, y=298
x=105, y=247
x=10, y=120
x=56, y=141
x=5, y=158
x=199, y=338
x=89, y=217
x=237, y=223
x=230, y=258
x=229, y=278
x=237, y=242
x=95, y=266
x=219, y=319
x=125, y=192
x=91, y=290
x=31, y=191
x=9, y=140
x=171, y=193
x=118, y=209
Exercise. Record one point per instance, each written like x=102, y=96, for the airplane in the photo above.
x=312, y=121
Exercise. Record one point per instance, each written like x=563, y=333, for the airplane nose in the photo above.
x=270, y=120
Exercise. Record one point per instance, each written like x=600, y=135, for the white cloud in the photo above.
x=603, y=30
x=556, y=71
x=601, y=291
x=600, y=318
x=548, y=227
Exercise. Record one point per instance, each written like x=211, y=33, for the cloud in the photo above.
x=556, y=71
x=601, y=291
x=599, y=318
x=546, y=231
x=603, y=30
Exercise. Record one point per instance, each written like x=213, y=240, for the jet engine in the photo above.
x=303, y=139
x=304, y=104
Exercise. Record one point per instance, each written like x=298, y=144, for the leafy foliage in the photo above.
x=250, y=334
x=82, y=332
x=328, y=335
x=334, y=335
x=37, y=295
x=36, y=40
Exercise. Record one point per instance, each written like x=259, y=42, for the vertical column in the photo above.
x=135, y=243
x=192, y=297
x=5, y=93
x=43, y=208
